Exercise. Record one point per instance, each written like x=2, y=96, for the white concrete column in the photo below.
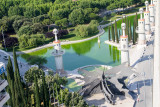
x=141, y=29
x=152, y=13
x=147, y=19
x=124, y=46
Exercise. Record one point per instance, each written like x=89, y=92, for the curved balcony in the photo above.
x=4, y=97
x=3, y=84
x=58, y=52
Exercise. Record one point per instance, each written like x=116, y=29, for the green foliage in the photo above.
x=36, y=91
x=29, y=75
x=86, y=30
x=113, y=35
x=109, y=34
x=116, y=32
x=18, y=84
x=25, y=30
x=62, y=22
x=18, y=23
x=77, y=17
x=37, y=28
x=14, y=10
x=28, y=41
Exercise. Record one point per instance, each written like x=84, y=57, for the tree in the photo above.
x=116, y=32
x=62, y=23
x=17, y=78
x=109, y=34
x=130, y=32
x=45, y=90
x=25, y=30
x=10, y=79
x=113, y=36
x=36, y=92
x=77, y=17
x=29, y=75
x=37, y=28
x=134, y=33
x=14, y=10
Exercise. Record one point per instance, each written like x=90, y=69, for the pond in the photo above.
x=81, y=54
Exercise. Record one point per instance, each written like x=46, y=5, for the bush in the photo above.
x=86, y=30
x=40, y=18
x=28, y=41
x=37, y=28
x=18, y=23
x=29, y=75
x=82, y=31
x=93, y=16
x=10, y=42
x=25, y=30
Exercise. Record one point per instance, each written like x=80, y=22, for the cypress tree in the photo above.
x=10, y=79
x=113, y=36
x=10, y=72
x=36, y=92
x=136, y=24
x=109, y=34
x=17, y=103
x=18, y=79
x=45, y=91
x=119, y=33
x=127, y=27
x=116, y=33
x=134, y=33
x=130, y=32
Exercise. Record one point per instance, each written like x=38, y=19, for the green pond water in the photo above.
x=81, y=54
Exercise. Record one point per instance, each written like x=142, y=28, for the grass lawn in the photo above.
x=72, y=85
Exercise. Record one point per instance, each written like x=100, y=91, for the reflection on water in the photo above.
x=83, y=47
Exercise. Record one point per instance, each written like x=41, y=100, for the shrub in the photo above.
x=28, y=41
x=29, y=75
x=93, y=16
x=37, y=28
x=25, y=30
x=86, y=30
x=81, y=30
x=40, y=18
x=10, y=42
x=18, y=23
